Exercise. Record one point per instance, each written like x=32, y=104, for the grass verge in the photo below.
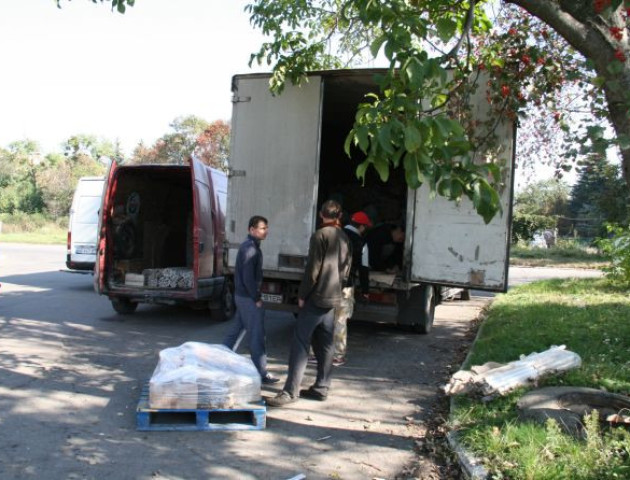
x=33, y=228
x=567, y=253
x=590, y=317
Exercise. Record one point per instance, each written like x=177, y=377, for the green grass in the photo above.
x=36, y=228
x=566, y=253
x=592, y=318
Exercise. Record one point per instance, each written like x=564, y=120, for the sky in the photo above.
x=84, y=69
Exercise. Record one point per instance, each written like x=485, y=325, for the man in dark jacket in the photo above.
x=327, y=269
x=250, y=314
x=359, y=274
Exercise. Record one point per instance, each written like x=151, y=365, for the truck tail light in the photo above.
x=272, y=287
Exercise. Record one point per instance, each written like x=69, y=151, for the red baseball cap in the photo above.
x=361, y=218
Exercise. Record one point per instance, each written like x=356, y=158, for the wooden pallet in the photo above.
x=247, y=417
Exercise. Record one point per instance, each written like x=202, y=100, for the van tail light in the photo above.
x=69, y=242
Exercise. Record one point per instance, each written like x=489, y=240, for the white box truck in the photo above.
x=287, y=157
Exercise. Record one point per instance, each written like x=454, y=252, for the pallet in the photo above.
x=248, y=417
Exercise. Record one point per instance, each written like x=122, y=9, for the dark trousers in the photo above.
x=314, y=324
x=251, y=318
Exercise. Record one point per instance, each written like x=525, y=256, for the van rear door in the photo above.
x=450, y=243
x=101, y=239
x=274, y=167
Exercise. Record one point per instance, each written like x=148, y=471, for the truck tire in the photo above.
x=124, y=306
x=464, y=294
x=227, y=307
x=417, y=311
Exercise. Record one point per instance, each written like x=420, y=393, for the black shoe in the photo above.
x=282, y=399
x=313, y=395
x=269, y=379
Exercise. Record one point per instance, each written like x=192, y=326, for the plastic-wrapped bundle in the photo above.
x=199, y=375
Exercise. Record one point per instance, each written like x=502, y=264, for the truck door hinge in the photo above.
x=237, y=99
x=235, y=173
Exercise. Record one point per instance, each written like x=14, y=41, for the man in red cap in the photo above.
x=359, y=273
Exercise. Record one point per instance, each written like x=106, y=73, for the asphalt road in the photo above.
x=71, y=372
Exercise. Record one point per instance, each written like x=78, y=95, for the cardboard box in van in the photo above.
x=161, y=234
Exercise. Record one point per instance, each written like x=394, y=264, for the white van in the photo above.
x=83, y=225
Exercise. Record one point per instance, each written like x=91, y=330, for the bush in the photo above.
x=525, y=225
x=617, y=247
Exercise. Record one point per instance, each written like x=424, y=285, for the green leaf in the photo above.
x=348, y=143
x=413, y=176
x=385, y=138
x=361, y=134
x=382, y=168
x=377, y=44
x=361, y=169
x=413, y=138
x=446, y=28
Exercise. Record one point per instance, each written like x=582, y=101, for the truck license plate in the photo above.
x=86, y=250
x=271, y=298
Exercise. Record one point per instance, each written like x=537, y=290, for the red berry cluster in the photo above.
x=616, y=32
x=601, y=5
x=619, y=55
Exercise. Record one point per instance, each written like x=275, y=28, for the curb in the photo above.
x=471, y=467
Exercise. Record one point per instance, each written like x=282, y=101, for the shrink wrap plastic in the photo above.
x=199, y=375
x=492, y=378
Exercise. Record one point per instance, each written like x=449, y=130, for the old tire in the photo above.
x=417, y=311
x=124, y=306
x=568, y=405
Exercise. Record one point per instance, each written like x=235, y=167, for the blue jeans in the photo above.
x=251, y=318
x=316, y=324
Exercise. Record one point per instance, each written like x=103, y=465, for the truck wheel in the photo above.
x=124, y=306
x=227, y=308
x=418, y=310
x=464, y=294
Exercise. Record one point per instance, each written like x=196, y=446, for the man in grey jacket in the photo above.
x=327, y=269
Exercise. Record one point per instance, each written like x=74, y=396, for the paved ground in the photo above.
x=71, y=371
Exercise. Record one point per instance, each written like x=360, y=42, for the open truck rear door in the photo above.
x=285, y=128
x=450, y=243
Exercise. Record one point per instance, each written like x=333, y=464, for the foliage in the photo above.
x=190, y=135
x=31, y=183
x=589, y=316
x=539, y=207
x=119, y=5
x=18, y=164
x=617, y=247
x=600, y=196
x=412, y=122
x=525, y=225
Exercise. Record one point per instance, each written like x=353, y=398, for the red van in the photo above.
x=160, y=237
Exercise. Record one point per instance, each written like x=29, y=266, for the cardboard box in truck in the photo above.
x=161, y=236
x=287, y=157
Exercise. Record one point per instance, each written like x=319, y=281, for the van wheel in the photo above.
x=464, y=294
x=124, y=306
x=417, y=311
